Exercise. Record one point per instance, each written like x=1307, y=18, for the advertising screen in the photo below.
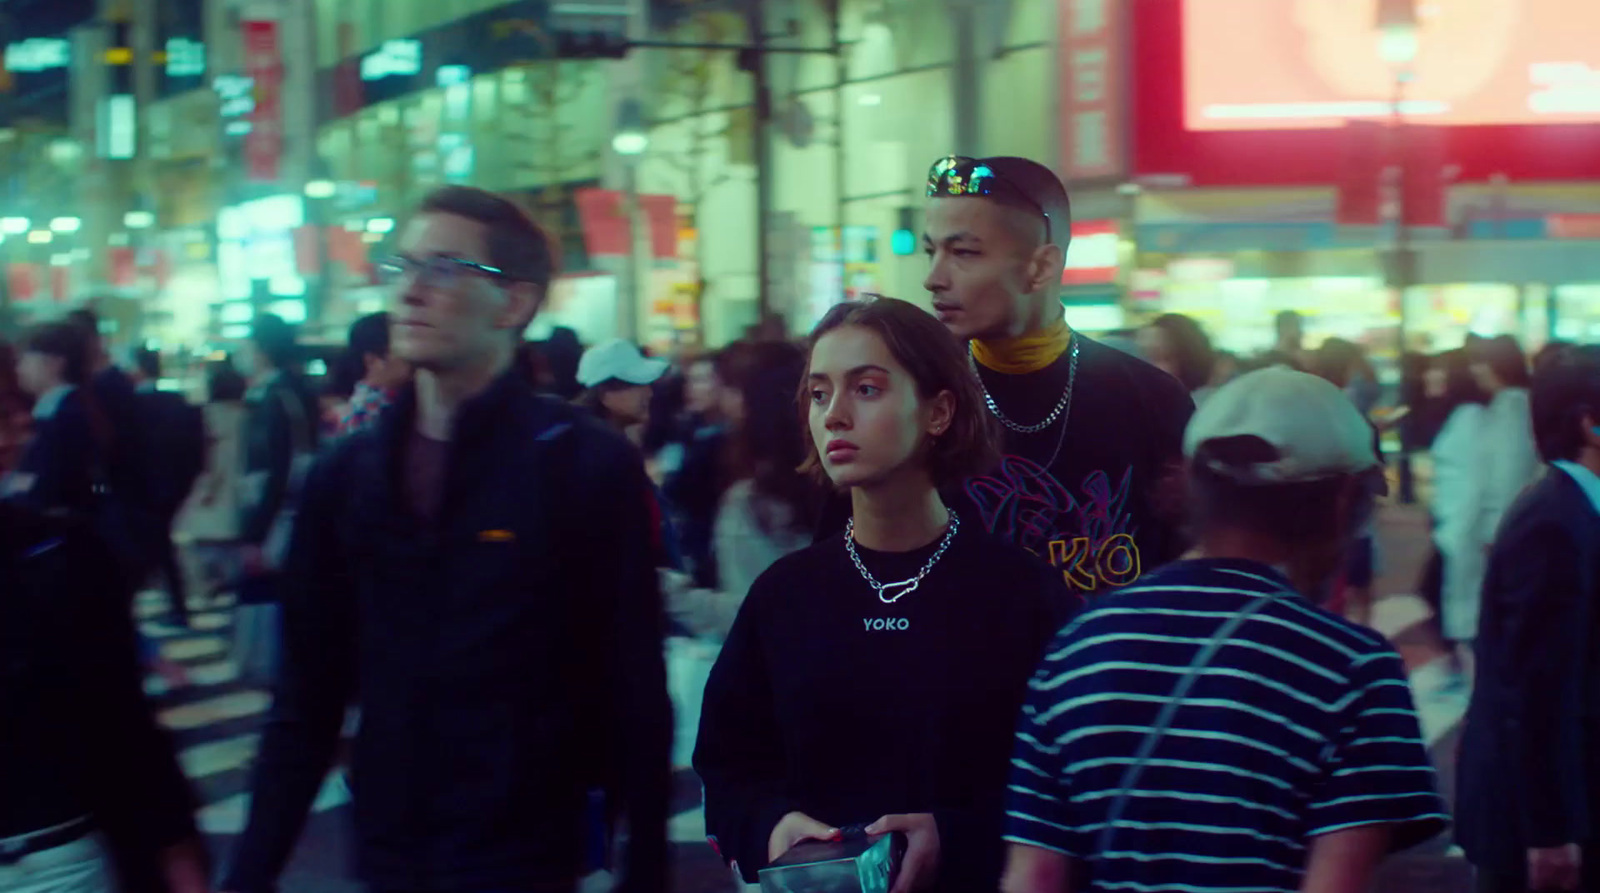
x=1299, y=64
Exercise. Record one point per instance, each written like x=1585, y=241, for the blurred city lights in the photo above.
x=287, y=286
x=65, y=151
x=632, y=137
x=1397, y=31
x=1397, y=44
x=276, y=213
x=232, y=224
x=380, y=225
x=293, y=312
x=321, y=189
x=40, y=237
x=14, y=226
x=66, y=224
x=630, y=143
x=139, y=219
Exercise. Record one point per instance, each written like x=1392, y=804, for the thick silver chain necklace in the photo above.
x=1063, y=406
x=907, y=586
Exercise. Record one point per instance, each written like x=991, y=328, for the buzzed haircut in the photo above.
x=518, y=245
x=1041, y=186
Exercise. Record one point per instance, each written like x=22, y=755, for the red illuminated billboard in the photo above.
x=1311, y=151
x=1279, y=64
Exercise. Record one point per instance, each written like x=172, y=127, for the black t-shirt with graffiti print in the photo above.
x=1108, y=508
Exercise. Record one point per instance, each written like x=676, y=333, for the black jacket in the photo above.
x=273, y=433
x=62, y=461
x=117, y=404
x=1528, y=774
x=173, y=448
x=694, y=493
x=507, y=657
x=78, y=735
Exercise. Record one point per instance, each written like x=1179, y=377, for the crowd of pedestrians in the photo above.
x=1056, y=613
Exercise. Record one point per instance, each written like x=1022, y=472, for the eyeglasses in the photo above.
x=439, y=269
x=958, y=175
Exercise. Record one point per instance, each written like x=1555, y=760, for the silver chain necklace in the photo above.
x=908, y=585
x=1063, y=406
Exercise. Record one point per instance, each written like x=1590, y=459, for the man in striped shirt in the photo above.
x=1209, y=730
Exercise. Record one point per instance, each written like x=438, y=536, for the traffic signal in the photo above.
x=591, y=45
x=904, y=240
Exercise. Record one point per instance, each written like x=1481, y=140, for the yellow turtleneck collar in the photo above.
x=1025, y=353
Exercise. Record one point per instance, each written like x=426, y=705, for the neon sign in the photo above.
x=401, y=58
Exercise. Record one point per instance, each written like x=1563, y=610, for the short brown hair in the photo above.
x=518, y=245
x=937, y=363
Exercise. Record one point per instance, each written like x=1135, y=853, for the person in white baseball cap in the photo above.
x=1313, y=430
x=1216, y=680
x=617, y=378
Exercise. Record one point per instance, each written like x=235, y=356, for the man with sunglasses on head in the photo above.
x=476, y=570
x=1093, y=436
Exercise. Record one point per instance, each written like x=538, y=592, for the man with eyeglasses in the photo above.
x=1093, y=437
x=475, y=570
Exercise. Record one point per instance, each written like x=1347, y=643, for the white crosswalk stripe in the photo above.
x=216, y=757
x=228, y=816
x=210, y=711
x=215, y=717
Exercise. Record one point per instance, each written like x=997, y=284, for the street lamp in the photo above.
x=632, y=138
x=630, y=141
x=1398, y=45
x=1397, y=32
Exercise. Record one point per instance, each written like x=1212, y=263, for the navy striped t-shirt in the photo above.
x=1302, y=724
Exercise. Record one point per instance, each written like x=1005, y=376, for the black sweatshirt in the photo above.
x=1108, y=507
x=827, y=701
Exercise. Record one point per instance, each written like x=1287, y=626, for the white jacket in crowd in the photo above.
x=1483, y=458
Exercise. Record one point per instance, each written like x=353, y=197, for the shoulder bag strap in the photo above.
x=1169, y=710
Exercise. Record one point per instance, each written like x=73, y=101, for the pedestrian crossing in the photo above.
x=215, y=720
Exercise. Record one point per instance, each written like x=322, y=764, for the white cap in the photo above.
x=618, y=360
x=1317, y=431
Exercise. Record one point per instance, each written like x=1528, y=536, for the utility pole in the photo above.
x=754, y=60
x=965, y=74
x=841, y=73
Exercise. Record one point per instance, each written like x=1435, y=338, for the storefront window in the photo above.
x=1447, y=314
x=1577, y=311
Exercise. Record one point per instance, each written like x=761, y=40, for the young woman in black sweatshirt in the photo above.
x=875, y=677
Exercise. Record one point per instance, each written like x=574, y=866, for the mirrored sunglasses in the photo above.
x=958, y=175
